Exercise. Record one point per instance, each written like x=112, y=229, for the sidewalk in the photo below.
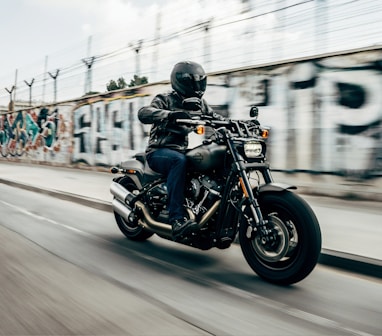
x=91, y=188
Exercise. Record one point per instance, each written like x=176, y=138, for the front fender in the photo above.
x=276, y=186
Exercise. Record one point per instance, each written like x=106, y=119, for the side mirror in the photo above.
x=254, y=112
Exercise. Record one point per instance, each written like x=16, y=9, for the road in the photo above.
x=94, y=281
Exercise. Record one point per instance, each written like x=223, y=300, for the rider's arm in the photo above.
x=210, y=112
x=155, y=112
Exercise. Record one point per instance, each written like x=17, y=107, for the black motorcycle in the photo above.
x=230, y=193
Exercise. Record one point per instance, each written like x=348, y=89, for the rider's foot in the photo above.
x=182, y=226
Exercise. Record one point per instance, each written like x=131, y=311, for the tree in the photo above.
x=113, y=85
x=138, y=81
x=121, y=83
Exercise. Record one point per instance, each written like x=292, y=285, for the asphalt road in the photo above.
x=66, y=269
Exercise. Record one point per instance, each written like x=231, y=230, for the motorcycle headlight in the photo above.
x=252, y=149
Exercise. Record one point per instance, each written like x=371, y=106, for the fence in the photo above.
x=324, y=116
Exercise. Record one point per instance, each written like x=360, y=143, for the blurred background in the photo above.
x=83, y=69
x=82, y=46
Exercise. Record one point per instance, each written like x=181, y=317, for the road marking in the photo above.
x=282, y=308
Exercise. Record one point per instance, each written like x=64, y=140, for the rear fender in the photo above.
x=134, y=170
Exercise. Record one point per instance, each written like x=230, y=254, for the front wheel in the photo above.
x=294, y=246
x=130, y=228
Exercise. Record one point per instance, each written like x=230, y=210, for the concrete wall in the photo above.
x=324, y=114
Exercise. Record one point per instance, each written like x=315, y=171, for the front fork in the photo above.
x=257, y=225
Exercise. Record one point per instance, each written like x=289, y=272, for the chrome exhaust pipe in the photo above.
x=121, y=193
x=121, y=209
x=122, y=205
x=209, y=213
x=151, y=224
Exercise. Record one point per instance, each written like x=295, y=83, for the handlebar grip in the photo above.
x=190, y=122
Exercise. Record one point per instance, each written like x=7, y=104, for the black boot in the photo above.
x=182, y=227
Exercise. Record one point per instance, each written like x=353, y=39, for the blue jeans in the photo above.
x=172, y=165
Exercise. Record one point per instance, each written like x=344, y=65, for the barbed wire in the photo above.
x=219, y=43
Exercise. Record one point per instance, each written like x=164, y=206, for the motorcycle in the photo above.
x=232, y=196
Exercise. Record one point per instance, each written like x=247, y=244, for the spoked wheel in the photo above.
x=130, y=228
x=293, y=244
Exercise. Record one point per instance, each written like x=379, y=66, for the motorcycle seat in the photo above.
x=150, y=175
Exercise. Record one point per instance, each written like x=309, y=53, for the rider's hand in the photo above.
x=174, y=115
x=192, y=104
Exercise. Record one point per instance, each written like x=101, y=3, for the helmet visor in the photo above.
x=194, y=82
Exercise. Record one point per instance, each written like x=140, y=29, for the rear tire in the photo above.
x=131, y=229
x=294, y=253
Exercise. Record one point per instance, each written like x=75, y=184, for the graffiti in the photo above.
x=27, y=133
x=325, y=116
x=108, y=131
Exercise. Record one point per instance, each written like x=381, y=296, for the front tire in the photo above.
x=131, y=229
x=293, y=253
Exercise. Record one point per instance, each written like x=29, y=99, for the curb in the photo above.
x=341, y=260
x=87, y=201
x=351, y=262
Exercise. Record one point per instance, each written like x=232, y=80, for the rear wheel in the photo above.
x=130, y=228
x=294, y=246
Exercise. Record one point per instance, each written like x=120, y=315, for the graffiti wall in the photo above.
x=324, y=115
x=40, y=134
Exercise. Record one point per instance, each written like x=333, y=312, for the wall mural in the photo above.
x=324, y=116
x=39, y=134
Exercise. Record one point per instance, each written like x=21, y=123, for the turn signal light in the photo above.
x=200, y=130
x=265, y=133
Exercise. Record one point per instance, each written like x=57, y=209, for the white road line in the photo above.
x=297, y=313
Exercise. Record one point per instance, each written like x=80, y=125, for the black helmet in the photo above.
x=189, y=79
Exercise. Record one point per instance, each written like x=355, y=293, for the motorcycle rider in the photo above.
x=168, y=142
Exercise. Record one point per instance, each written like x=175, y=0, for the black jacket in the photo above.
x=164, y=133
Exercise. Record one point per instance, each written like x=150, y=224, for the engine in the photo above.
x=156, y=199
x=201, y=193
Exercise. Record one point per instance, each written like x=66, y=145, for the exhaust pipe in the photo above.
x=124, y=201
x=121, y=209
x=121, y=193
x=151, y=224
x=148, y=222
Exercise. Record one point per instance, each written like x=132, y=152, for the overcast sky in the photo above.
x=59, y=30
x=31, y=30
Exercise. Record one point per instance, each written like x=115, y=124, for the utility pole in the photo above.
x=321, y=27
x=207, y=44
x=54, y=76
x=10, y=105
x=156, y=47
x=15, y=87
x=278, y=35
x=44, y=80
x=30, y=90
x=89, y=63
x=137, y=48
x=88, y=82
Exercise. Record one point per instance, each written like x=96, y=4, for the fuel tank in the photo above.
x=206, y=157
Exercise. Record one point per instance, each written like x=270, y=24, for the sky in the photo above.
x=33, y=29
x=39, y=35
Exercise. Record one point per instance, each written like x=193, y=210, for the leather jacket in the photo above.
x=163, y=133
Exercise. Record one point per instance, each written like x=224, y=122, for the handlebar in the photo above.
x=243, y=128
